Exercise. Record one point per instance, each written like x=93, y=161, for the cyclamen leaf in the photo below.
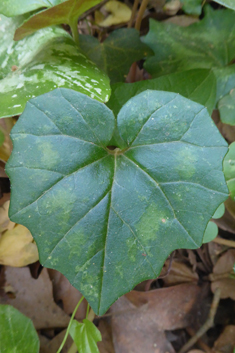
x=11, y=8
x=17, y=332
x=85, y=336
x=198, y=85
x=42, y=62
x=66, y=12
x=200, y=45
x=229, y=170
x=227, y=3
x=116, y=54
x=108, y=219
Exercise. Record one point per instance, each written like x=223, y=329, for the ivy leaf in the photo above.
x=116, y=54
x=17, y=332
x=227, y=3
x=225, y=81
x=198, y=85
x=107, y=219
x=66, y=12
x=85, y=336
x=229, y=170
x=200, y=45
x=11, y=8
x=42, y=62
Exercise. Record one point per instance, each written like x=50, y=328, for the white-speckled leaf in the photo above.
x=227, y=3
x=40, y=63
x=11, y=8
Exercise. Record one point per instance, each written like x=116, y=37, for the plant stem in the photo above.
x=140, y=14
x=134, y=10
x=222, y=241
x=69, y=325
x=74, y=29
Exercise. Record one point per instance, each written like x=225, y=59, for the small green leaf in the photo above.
x=226, y=108
x=211, y=232
x=229, y=170
x=219, y=212
x=66, y=12
x=11, y=8
x=200, y=45
x=227, y=3
x=17, y=332
x=108, y=219
x=198, y=85
x=85, y=335
x=116, y=54
x=42, y=62
x=192, y=7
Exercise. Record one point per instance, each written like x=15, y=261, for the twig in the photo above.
x=140, y=14
x=222, y=241
x=200, y=343
x=207, y=325
x=134, y=10
x=94, y=8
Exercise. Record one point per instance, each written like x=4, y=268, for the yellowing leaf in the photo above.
x=17, y=248
x=5, y=222
x=119, y=13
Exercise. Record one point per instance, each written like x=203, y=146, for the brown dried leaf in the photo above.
x=5, y=222
x=221, y=275
x=140, y=318
x=53, y=345
x=106, y=345
x=182, y=20
x=17, y=247
x=65, y=292
x=226, y=341
x=34, y=298
x=179, y=273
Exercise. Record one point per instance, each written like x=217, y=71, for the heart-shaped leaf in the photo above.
x=198, y=85
x=106, y=218
x=116, y=54
x=11, y=8
x=66, y=12
x=209, y=43
x=42, y=62
x=17, y=332
x=85, y=335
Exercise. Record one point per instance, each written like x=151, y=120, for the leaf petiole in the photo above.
x=69, y=325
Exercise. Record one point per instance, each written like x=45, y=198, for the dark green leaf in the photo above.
x=227, y=3
x=229, y=170
x=66, y=12
x=11, y=8
x=42, y=62
x=108, y=219
x=209, y=43
x=17, y=332
x=197, y=85
x=86, y=336
x=192, y=7
x=116, y=54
